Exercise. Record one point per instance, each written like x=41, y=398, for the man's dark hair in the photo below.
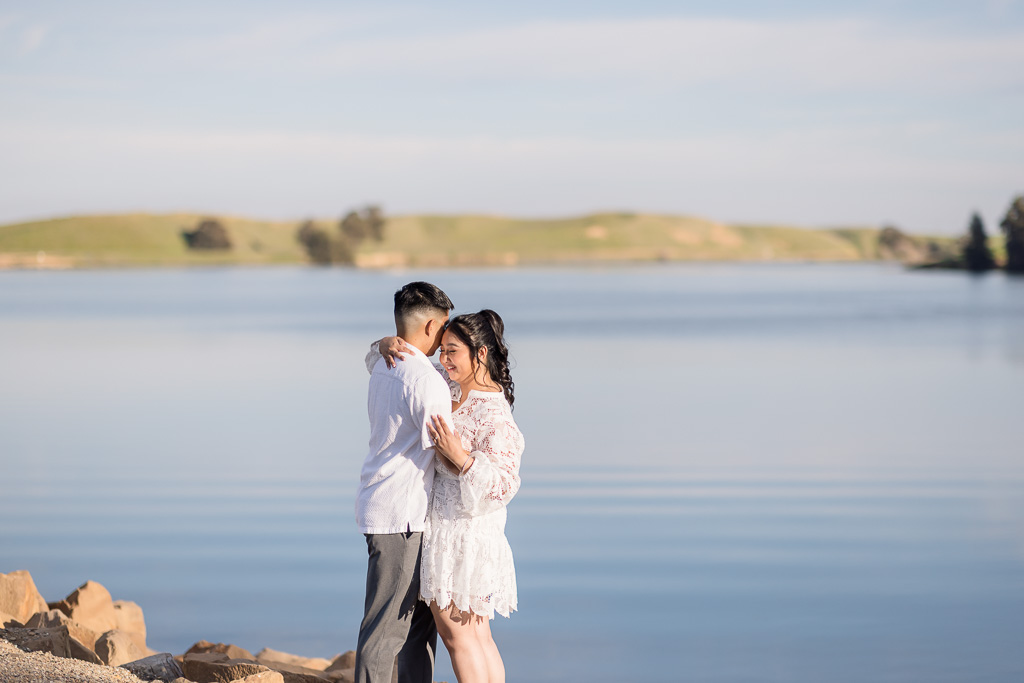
x=420, y=297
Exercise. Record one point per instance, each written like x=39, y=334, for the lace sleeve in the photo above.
x=453, y=386
x=373, y=356
x=493, y=478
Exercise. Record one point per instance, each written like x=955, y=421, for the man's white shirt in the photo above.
x=394, y=486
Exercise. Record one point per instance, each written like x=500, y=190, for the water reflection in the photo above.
x=795, y=473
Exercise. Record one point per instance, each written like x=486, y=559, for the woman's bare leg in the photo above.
x=495, y=667
x=467, y=636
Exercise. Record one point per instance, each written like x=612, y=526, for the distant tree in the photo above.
x=209, y=234
x=374, y=218
x=1013, y=230
x=976, y=254
x=358, y=226
x=316, y=243
x=353, y=229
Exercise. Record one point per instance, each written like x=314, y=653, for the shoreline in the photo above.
x=88, y=637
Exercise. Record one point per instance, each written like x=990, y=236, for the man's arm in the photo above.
x=429, y=398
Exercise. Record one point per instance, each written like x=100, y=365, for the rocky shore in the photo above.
x=88, y=637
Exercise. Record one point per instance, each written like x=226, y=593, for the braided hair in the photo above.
x=486, y=330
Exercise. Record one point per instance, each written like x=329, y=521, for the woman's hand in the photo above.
x=447, y=443
x=392, y=349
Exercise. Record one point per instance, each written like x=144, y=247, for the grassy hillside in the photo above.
x=458, y=240
x=155, y=240
x=143, y=240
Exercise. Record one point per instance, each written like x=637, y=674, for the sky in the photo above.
x=904, y=112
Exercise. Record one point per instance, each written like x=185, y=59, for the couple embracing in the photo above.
x=443, y=463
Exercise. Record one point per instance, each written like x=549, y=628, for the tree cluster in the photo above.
x=1013, y=231
x=324, y=248
x=209, y=234
x=975, y=254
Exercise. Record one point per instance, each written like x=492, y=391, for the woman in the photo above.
x=467, y=572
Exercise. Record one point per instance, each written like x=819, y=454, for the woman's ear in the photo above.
x=482, y=354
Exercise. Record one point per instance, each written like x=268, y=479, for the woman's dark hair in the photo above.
x=485, y=329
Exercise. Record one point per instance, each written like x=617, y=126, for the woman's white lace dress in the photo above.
x=466, y=557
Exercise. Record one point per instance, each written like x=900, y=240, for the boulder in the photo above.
x=215, y=667
x=298, y=674
x=52, y=640
x=131, y=620
x=115, y=648
x=8, y=621
x=230, y=651
x=54, y=617
x=343, y=668
x=346, y=676
x=77, y=650
x=19, y=596
x=158, y=667
x=263, y=677
x=269, y=657
x=343, y=661
x=91, y=606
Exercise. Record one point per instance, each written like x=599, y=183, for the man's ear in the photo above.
x=431, y=327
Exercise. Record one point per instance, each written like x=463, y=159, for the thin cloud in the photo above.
x=820, y=55
x=32, y=38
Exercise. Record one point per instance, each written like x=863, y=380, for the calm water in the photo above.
x=733, y=473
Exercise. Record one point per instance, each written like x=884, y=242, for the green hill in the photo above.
x=141, y=240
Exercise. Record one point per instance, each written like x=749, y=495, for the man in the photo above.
x=394, y=491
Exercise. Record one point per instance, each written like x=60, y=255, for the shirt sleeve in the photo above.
x=373, y=355
x=430, y=397
x=493, y=478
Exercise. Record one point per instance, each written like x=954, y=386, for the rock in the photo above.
x=343, y=675
x=131, y=620
x=8, y=621
x=158, y=667
x=19, y=596
x=78, y=650
x=54, y=617
x=215, y=667
x=343, y=661
x=52, y=640
x=91, y=606
x=343, y=668
x=231, y=651
x=263, y=677
x=298, y=674
x=269, y=657
x=115, y=648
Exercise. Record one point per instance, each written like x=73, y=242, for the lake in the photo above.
x=791, y=473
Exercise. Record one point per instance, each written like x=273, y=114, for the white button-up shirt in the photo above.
x=394, y=486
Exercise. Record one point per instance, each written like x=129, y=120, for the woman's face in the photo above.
x=455, y=358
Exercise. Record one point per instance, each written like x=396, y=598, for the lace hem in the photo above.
x=482, y=607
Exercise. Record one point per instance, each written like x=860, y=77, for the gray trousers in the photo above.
x=398, y=628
